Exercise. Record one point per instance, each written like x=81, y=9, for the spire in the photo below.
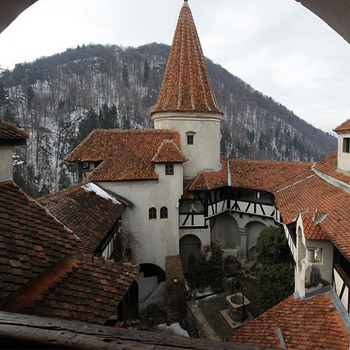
x=186, y=86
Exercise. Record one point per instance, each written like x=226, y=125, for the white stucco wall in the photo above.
x=157, y=238
x=343, y=157
x=205, y=152
x=304, y=268
x=6, y=164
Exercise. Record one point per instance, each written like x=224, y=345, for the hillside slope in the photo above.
x=60, y=99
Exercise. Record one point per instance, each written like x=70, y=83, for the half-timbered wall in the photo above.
x=341, y=278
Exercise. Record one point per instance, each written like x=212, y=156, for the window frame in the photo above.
x=190, y=139
x=163, y=213
x=86, y=165
x=346, y=144
x=152, y=213
x=169, y=169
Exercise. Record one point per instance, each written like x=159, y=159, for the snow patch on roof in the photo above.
x=91, y=187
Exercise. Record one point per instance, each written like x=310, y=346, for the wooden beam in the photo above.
x=24, y=331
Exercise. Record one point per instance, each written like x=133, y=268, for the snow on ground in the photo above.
x=90, y=187
x=174, y=328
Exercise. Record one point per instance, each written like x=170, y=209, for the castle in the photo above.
x=179, y=194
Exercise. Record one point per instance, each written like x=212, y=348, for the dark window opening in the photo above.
x=164, y=213
x=86, y=165
x=152, y=213
x=169, y=169
x=346, y=145
x=190, y=139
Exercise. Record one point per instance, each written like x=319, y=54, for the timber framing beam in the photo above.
x=17, y=331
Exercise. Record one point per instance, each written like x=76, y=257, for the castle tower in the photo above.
x=187, y=102
x=343, y=155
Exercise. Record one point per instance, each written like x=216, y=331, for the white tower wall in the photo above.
x=205, y=128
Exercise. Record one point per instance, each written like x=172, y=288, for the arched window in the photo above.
x=163, y=212
x=152, y=213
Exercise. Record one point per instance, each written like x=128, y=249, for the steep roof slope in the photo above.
x=260, y=175
x=31, y=240
x=125, y=154
x=80, y=287
x=186, y=84
x=343, y=127
x=305, y=324
x=328, y=166
x=310, y=192
x=11, y=134
x=88, y=211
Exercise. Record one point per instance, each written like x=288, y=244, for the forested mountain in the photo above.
x=60, y=99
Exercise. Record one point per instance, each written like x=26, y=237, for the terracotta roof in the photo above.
x=313, y=230
x=88, y=211
x=309, y=192
x=329, y=166
x=305, y=324
x=343, y=127
x=169, y=152
x=186, y=84
x=209, y=180
x=126, y=154
x=11, y=134
x=261, y=175
x=81, y=287
x=31, y=240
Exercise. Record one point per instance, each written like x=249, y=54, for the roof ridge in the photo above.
x=53, y=196
x=38, y=286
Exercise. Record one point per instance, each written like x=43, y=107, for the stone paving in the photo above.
x=212, y=306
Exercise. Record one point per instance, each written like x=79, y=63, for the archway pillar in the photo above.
x=243, y=237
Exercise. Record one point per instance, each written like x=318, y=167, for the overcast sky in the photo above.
x=277, y=46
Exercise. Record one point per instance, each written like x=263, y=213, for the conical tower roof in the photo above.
x=186, y=85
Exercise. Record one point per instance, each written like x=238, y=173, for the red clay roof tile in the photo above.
x=343, y=127
x=305, y=324
x=11, y=134
x=31, y=240
x=329, y=165
x=253, y=174
x=169, y=152
x=313, y=230
x=80, y=287
x=90, y=215
x=186, y=84
x=125, y=154
x=309, y=192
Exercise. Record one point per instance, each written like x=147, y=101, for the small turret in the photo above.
x=343, y=132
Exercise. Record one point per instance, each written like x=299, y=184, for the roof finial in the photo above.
x=185, y=2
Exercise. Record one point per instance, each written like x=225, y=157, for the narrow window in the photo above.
x=164, y=213
x=257, y=195
x=86, y=165
x=346, y=145
x=152, y=213
x=169, y=169
x=190, y=139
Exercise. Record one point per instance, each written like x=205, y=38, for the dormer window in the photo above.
x=346, y=144
x=169, y=169
x=86, y=165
